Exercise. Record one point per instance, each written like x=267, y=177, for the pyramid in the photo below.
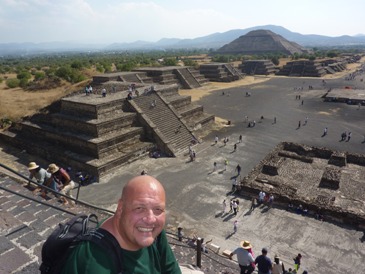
x=261, y=42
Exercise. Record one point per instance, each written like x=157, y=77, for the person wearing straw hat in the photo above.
x=244, y=257
x=63, y=182
x=40, y=174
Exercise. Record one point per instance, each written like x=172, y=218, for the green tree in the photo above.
x=170, y=62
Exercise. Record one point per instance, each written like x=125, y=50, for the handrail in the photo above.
x=55, y=192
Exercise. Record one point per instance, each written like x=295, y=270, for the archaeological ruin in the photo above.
x=326, y=182
x=97, y=134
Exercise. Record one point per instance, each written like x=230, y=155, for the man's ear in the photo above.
x=119, y=210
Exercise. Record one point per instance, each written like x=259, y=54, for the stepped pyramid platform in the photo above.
x=97, y=134
x=259, y=67
x=303, y=68
x=220, y=72
x=185, y=77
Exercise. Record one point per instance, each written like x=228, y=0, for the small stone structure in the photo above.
x=185, y=77
x=303, y=68
x=220, y=72
x=259, y=67
x=346, y=95
x=332, y=182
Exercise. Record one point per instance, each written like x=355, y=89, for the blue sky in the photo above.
x=108, y=21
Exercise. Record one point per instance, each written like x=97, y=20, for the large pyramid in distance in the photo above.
x=261, y=42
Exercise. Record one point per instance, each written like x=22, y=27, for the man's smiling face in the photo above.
x=141, y=212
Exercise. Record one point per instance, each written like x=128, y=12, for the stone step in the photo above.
x=77, y=142
x=92, y=127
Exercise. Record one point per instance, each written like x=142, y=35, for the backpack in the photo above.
x=55, y=249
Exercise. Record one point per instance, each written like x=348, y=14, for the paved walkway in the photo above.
x=195, y=193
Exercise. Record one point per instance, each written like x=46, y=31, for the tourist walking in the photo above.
x=240, y=139
x=349, y=136
x=325, y=131
x=225, y=164
x=238, y=169
x=216, y=139
x=235, y=207
x=224, y=206
x=253, y=201
x=297, y=261
x=244, y=258
x=235, y=226
x=214, y=166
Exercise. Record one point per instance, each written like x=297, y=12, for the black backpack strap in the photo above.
x=106, y=241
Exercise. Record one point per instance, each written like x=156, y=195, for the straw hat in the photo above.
x=52, y=168
x=32, y=165
x=246, y=245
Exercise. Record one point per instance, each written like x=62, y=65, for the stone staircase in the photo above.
x=196, y=74
x=233, y=71
x=187, y=80
x=168, y=130
x=194, y=116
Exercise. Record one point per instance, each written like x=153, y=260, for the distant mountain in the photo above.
x=211, y=41
x=217, y=40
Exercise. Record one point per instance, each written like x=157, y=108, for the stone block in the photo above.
x=226, y=253
x=213, y=247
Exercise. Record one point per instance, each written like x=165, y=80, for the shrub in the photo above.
x=39, y=76
x=12, y=83
x=24, y=75
x=23, y=83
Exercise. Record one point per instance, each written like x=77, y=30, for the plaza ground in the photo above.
x=195, y=193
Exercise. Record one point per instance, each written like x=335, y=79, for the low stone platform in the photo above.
x=335, y=191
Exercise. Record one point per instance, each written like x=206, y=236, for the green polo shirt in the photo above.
x=89, y=258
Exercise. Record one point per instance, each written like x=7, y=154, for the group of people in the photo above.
x=346, y=136
x=54, y=177
x=264, y=198
x=247, y=261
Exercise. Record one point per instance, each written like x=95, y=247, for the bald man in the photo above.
x=137, y=222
